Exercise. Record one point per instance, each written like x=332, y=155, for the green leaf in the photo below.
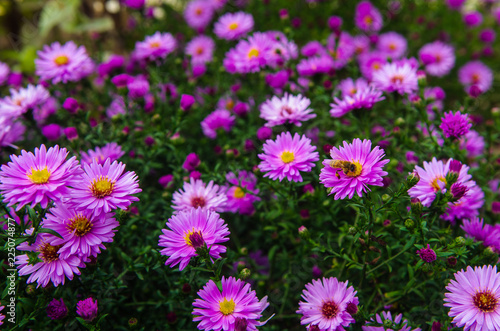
x=52, y=232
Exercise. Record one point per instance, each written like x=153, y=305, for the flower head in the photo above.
x=476, y=73
x=488, y=234
x=241, y=193
x=363, y=98
x=154, y=47
x=367, y=17
x=392, y=44
x=111, y=151
x=473, y=143
x=87, y=309
x=395, y=77
x=56, y=309
x=290, y=108
x=197, y=194
x=386, y=316
x=20, y=101
x=250, y=55
x=200, y=49
x=455, y=125
x=231, y=26
x=438, y=58
x=218, y=119
x=198, y=14
x=427, y=254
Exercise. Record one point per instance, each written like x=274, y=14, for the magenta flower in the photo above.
x=154, y=47
x=236, y=305
x=103, y=188
x=111, y=151
x=191, y=230
x=363, y=98
x=87, y=309
x=198, y=14
x=287, y=157
x=231, y=26
x=438, y=58
x=315, y=65
x=201, y=49
x=427, y=254
x=468, y=205
x=56, y=309
x=488, y=234
x=63, y=63
x=371, y=62
x=394, y=77
x=290, y=108
x=249, y=55
x=352, y=168
x=349, y=87
x=197, y=194
x=218, y=119
x=328, y=304
x=476, y=73
x=455, y=125
x=473, y=143
x=473, y=298
x=392, y=44
x=242, y=193
x=341, y=49
x=367, y=17
x=386, y=315
x=38, y=178
x=22, y=100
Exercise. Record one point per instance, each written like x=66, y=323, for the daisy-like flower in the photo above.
x=371, y=62
x=83, y=233
x=392, y=44
x=201, y=49
x=111, y=151
x=341, y=50
x=476, y=73
x=328, y=304
x=10, y=132
x=467, y=206
x=287, y=157
x=191, y=230
x=249, y=55
x=438, y=58
x=282, y=50
x=352, y=168
x=488, y=234
x=63, y=63
x=386, y=315
x=290, y=108
x=473, y=298
x=363, y=98
x=312, y=48
x=87, y=309
x=20, y=101
x=393, y=77
x=231, y=26
x=103, y=188
x=154, y=47
x=361, y=44
x=315, y=65
x=242, y=193
x=349, y=87
x=218, y=119
x=38, y=178
x=367, y=17
x=51, y=267
x=455, y=125
x=198, y=14
x=237, y=304
x=197, y=194
x=473, y=143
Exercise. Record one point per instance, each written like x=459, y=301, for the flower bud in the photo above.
x=132, y=322
x=303, y=232
x=240, y=324
x=353, y=230
x=416, y=206
x=386, y=197
x=245, y=273
x=409, y=224
x=187, y=102
x=458, y=191
x=412, y=179
x=460, y=241
x=452, y=261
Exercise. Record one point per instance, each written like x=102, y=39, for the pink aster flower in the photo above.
x=367, y=17
x=313, y=48
x=111, y=151
x=200, y=49
x=287, y=157
x=51, y=267
x=198, y=14
x=103, y=188
x=235, y=305
x=87, y=309
x=392, y=44
x=349, y=87
x=371, y=62
x=396, y=78
x=10, y=132
x=154, y=47
x=197, y=194
x=352, y=168
x=455, y=125
x=386, y=315
x=83, y=233
x=38, y=178
x=473, y=143
x=20, y=101
x=363, y=98
x=438, y=58
x=341, y=50
x=467, y=206
x=473, y=298
x=361, y=44
x=476, y=73
x=63, y=63
x=290, y=108
x=218, y=119
x=315, y=65
x=231, y=26
x=282, y=50
x=241, y=193
x=488, y=234
x=249, y=55
x=329, y=304
x=192, y=230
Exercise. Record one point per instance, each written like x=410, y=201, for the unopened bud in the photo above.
x=452, y=261
x=399, y=121
x=303, y=232
x=240, y=324
x=245, y=273
x=351, y=308
x=460, y=241
x=416, y=206
x=412, y=179
x=353, y=230
x=409, y=224
x=132, y=322
x=386, y=197
x=458, y=191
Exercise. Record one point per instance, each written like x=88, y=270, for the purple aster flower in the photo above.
x=10, y=132
x=455, y=125
x=313, y=48
x=192, y=162
x=488, y=234
x=386, y=315
x=364, y=98
x=287, y=157
x=111, y=151
x=278, y=80
x=371, y=62
x=367, y=17
x=20, y=101
x=249, y=55
x=349, y=87
x=473, y=143
x=361, y=44
x=87, y=309
x=134, y=4
x=473, y=298
x=197, y=194
x=117, y=107
x=289, y=109
x=315, y=65
x=352, y=168
x=328, y=304
x=476, y=73
x=241, y=193
x=438, y=58
x=38, y=178
x=63, y=63
x=396, y=78
x=231, y=26
x=4, y=73
x=473, y=19
x=201, y=49
x=154, y=47
x=427, y=254
x=392, y=44
x=487, y=36
x=56, y=309
x=114, y=62
x=198, y=14
x=455, y=4
x=341, y=50
x=190, y=230
x=467, y=206
x=138, y=87
x=218, y=119
x=282, y=49
x=235, y=304
x=103, y=188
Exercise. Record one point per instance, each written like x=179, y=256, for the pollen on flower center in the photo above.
x=199, y=50
x=397, y=79
x=368, y=20
x=226, y=307
x=253, y=53
x=198, y=11
x=329, y=309
x=198, y=202
x=229, y=104
x=61, y=60
x=233, y=26
x=39, y=176
x=194, y=239
x=154, y=44
x=392, y=47
x=49, y=252
x=485, y=301
x=435, y=183
x=239, y=193
x=475, y=78
x=287, y=157
x=376, y=66
x=80, y=225
x=102, y=187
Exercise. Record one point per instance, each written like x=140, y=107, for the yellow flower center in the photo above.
x=229, y=104
x=253, y=53
x=485, y=301
x=39, y=176
x=61, y=60
x=80, y=225
x=199, y=51
x=475, y=78
x=198, y=11
x=226, y=307
x=435, y=183
x=154, y=44
x=368, y=20
x=187, y=236
x=238, y=193
x=49, y=252
x=102, y=187
x=397, y=79
x=287, y=157
x=376, y=66
x=233, y=26
x=392, y=47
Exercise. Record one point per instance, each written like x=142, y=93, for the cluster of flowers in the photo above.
x=79, y=200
